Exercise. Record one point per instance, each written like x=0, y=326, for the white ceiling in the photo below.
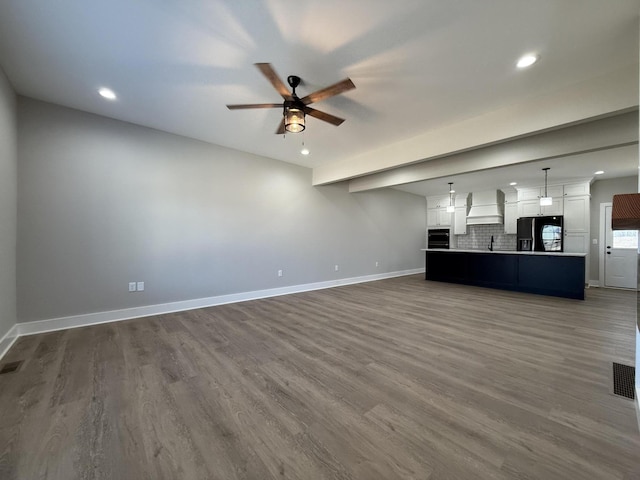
x=418, y=64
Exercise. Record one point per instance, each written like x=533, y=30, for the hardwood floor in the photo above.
x=395, y=379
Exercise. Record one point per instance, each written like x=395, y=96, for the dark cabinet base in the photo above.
x=556, y=275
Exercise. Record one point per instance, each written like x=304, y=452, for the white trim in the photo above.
x=8, y=340
x=601, y=248
x=63, y=323
x=637, y=402
x=594, y=283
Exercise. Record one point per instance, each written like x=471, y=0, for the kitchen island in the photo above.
x=545, y=273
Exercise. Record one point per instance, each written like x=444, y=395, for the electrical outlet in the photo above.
x=132, y=286
x=279, y=273
x=377, y=264
x=336, y=268
x=594, y=241
x=140, y=286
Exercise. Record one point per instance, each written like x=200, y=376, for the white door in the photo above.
x=621, y=255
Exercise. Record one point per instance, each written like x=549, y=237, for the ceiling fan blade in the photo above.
x=280, y=130
x=268, y=71
x=332, y=119
x=330, y=91
x=254, y=105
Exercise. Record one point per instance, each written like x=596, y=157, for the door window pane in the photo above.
x=625, y=239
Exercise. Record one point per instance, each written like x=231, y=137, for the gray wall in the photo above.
x=602, y=191
x=102, y=203
x=8, y=207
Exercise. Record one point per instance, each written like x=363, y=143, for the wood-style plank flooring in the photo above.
x=395, y=379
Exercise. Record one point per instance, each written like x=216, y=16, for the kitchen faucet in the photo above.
x=491, y=244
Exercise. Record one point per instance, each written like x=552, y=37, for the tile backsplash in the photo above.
x=479, y=237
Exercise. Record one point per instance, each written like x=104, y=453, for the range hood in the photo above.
x=625, y=214
x=487, y=208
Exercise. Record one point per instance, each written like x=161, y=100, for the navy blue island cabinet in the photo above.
x=559, y=275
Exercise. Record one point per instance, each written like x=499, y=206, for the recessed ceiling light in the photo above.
x=513, y=183
x=304, y=151
x=599, y=172
x=107, y=93
x=527, y=60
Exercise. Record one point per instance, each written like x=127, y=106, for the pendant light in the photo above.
x=451, y=208
x=546, y=201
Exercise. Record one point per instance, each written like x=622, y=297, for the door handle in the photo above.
x=608, y=246
x=608, y=253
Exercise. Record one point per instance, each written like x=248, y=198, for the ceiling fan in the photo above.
x=295, y=108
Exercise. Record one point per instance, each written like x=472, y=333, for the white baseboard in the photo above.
x=63, y=323
x=594, y=283
x=8, y=340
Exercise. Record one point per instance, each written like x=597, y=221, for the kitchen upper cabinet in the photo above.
x=532, y=208
x=510, y=213
x=537, y=192
x=577, y=189
x=460, y=216
x=460, y=221
x=437, y=215
x=577, y=214
x=529, y=201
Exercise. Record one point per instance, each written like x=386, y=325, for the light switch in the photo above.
x=140, y=286
x=132, y=286
x=594, y=241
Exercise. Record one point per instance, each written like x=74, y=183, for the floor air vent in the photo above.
x=10, y=367
x=624, y=379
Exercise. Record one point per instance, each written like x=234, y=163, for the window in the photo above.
x=625, y=239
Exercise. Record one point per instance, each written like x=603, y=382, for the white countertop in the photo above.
x=510, y=252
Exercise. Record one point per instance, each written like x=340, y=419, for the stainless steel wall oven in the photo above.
x=438, y=238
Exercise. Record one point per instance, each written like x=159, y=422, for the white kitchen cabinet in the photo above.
x=536, y=192
x=577, y=214
x=528, y=194
x=460, y=221
x=437, y=215
x=510, y=212
x=577, y=189
x=577, y=221
x=532, y=208
x=511, y=217
x=529, y=201
x=438, y=201
x=576, y=242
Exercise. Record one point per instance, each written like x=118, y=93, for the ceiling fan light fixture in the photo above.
x=294, y=120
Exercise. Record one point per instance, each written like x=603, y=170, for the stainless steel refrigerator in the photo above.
x=540, y=234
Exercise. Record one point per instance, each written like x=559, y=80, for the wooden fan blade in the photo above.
x=254, y=105
x=280, y=130
x=330, y=91
x=268, y=71
x=326, y=117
